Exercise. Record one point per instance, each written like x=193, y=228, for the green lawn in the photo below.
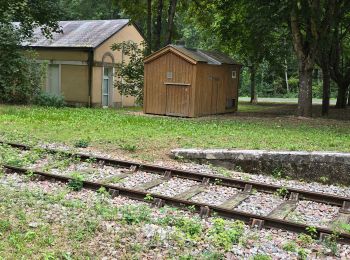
x=154, y=136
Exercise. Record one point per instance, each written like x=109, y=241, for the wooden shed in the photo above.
x=189, y=82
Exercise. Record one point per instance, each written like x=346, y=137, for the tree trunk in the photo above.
x=286, y=75
x=305, y=90
x=159, y=24
x=326, y=90
x=149, y=27
x=341, y=97
x=253, y=97
x=171, y=14
x=349, y=96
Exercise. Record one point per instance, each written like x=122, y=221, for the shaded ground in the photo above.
x=315, y=101
x=263, y=109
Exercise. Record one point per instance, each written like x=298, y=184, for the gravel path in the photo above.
x=260, y=203
x=215, y=194
x=313, y=213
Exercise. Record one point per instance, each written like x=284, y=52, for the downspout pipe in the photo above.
x=90, y=66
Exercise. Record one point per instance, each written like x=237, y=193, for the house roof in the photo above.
x=195, y=55
x=78, y=34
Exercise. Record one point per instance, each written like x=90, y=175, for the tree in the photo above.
x=243, y=30
x=129, y=74
x=89, y=9
x=171, y=15
x=158, y=26
x=20, y=76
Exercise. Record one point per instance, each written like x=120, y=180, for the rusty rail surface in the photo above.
x=204, y=209
x=190, y=175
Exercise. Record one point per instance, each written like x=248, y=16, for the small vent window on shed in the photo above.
x=234, y=74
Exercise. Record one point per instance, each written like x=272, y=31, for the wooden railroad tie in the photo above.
x=156, y=182
x=194, y=190
x=286, y=207
x=238, y=198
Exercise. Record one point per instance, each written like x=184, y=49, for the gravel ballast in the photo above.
x=104, y=244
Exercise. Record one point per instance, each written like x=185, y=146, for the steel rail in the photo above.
x=190, y=175
x=247, y=218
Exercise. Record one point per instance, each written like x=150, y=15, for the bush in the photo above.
x=21, y=77
x=77, y=182
x=82, y=143
x=48, y=100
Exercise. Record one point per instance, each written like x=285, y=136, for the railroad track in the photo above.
x=275, y=219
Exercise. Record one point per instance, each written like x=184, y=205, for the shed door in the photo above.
x=177, y=99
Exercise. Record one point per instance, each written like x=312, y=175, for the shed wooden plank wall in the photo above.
x=174, y=98
x=214, y=85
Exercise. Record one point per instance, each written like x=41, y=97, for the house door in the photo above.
x=106, y=87
x=177, y=99
x=215, y=94
x=53, y=84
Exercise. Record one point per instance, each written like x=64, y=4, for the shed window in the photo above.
x=234, y=74
x=169, y=75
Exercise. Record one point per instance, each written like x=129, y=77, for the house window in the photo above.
x=106, y=86
x=169, y=75
x=53, y=79
x=234, y=74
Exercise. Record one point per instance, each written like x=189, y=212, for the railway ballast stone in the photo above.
x=331, y=167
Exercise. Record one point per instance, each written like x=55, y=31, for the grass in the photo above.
x=153, y=136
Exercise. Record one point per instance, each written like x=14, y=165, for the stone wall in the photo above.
x=311, y=166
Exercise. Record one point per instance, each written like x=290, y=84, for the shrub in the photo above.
x=76, y=183
x=82, y=143
x=48, y=100
x=21, y=77
x=224, y=233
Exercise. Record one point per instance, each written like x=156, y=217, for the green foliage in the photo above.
x=82, y=143
x=262, y=257
x=129, y=147
x=330, y=242
x=278, y=173
x=190, y=226
x=302, y=254
x=48, y=100
x=76, y=183
x=304, y=240
x=21, y=77
x=149, y=197
x=130, y=74
x=225, y=234
x=312, y=231
x=135, y=214
x=290, y=246
x=282, y=192
x=5, y=225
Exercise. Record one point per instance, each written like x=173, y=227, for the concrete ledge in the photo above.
x=331, y=166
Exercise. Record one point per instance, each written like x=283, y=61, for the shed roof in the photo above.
x=196, y=55
x=86, y=34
